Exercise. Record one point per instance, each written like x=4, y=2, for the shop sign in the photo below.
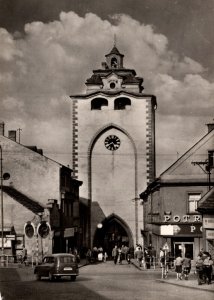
x=184, y=218
x=190, y=229
x=69, y=232
x=10, y=237
x=184, y=229
x=210, y=234
x=208, y=222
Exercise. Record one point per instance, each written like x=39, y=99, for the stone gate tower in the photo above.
x=114, y=151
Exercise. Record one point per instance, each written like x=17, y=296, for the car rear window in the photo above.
x=48, y=260
x=66, y=259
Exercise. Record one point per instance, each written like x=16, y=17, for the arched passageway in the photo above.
x=112, y=231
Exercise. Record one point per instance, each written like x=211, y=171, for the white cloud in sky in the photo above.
x=53, y=60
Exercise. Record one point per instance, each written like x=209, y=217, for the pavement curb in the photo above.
x=185, y=286
x=172, y=283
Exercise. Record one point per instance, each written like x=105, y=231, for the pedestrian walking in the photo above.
x=139, y=256
x=115, y=254
x=186, y=266
x=128, y=257
x=207, y=268
x=105, y=256
x=161, y=257
x=24, y=255
x=165, y=260
x=119, y=259
x=178, y=266
x=88, y=256
x=100, y=254
x=147, y=258
x=95, y=253
x=125, y=250
x=199, y=268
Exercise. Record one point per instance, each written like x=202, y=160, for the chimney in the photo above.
x=104, y=65
x=210, y=127
x=40, y=151
x=1, y=128
x=12, y=135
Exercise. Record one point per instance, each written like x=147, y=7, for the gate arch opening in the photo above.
x=114, y=231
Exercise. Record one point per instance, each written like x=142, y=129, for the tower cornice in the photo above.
x=112, y=94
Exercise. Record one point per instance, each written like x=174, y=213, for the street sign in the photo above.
x=10, y=236
x=166, y=247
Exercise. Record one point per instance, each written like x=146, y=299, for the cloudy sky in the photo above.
x=50, y=47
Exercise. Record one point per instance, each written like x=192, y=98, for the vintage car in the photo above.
x=55, y=266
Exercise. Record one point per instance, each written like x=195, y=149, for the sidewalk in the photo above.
x=171, y=279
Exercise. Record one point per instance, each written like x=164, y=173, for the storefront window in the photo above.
x=193, y=199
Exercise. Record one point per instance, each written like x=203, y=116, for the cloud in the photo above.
x=8, y=47
x=10, y=103
x=52, y=60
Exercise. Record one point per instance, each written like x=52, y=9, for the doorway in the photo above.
x=184, y=248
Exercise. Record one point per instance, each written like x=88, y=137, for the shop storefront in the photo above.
x=183, y=234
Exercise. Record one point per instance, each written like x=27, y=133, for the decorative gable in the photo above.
x=112, y=82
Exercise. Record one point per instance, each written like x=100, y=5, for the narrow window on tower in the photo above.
x=121, y=103
x=98, y=103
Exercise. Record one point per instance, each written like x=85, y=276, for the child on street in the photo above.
x=178, y=266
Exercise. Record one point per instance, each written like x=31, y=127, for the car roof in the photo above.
x=59, y=254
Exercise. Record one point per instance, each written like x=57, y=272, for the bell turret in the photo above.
x=114, y=59
x=114, y=76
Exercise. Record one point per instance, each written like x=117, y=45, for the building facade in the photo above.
x=113, y=151
x=40, y=202
x=171, y=201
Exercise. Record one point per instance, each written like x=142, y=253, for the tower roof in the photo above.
x=114, y=51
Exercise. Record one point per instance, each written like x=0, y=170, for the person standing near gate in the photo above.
x=139, y=255
x=115, y=254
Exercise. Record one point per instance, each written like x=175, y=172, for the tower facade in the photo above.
x=114, y=151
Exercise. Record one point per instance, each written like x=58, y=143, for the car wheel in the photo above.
x=38, y=277
x=73, y=278
x=51, y=277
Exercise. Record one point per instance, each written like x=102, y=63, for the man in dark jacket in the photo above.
x=199, y=269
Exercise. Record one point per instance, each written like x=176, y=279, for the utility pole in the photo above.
x=208, y=166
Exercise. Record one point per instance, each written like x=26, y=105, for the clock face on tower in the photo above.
x=112, y=142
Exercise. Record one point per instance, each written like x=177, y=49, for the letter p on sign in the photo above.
x=192, y=228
